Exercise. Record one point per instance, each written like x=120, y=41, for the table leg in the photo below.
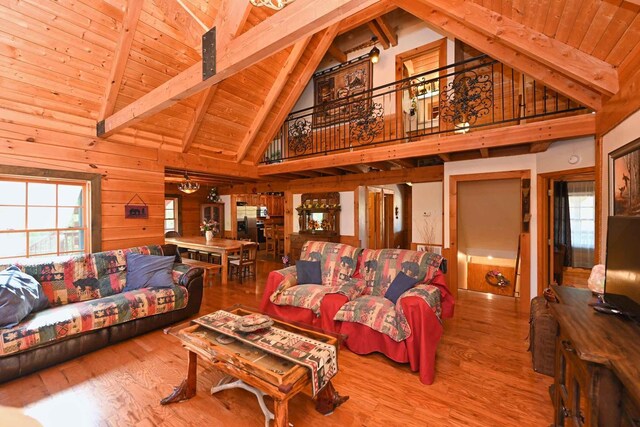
x=187, y=389
x=328, y=399
x=281, y=413
x=225, y=267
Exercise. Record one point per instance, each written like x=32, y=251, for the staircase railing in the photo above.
x=476, y=93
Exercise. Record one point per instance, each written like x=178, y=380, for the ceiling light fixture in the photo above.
x=374, y=55
x=271, y=4
x=187, y=186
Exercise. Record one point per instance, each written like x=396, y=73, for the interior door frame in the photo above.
x=525, y=257
x=545, y=204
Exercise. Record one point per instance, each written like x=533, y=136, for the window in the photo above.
x=582, y=209
x=43, y=217
x=171, y=214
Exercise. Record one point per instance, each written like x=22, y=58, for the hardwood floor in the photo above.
x=483, y=378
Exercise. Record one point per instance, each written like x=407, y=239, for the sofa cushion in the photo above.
x=309, y=272
x=148, y=271
x=378, y=267
x=400, y=285
x=20, y=294
x=337, y=260
x=72, y=319
x=83, y=277
x=376, y=312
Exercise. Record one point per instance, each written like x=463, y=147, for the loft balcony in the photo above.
x=477, y=94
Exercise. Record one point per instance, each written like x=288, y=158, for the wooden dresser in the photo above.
x=597, y=376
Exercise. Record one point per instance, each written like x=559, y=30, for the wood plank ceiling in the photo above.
x=58, y=59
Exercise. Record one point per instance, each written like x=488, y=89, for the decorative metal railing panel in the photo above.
x=476, y=93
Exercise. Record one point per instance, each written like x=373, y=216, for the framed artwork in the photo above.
x=624, y=180
x=337, y=84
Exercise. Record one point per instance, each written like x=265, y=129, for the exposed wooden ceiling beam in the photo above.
x=231, y=18
x=342, y=182
x=539, y=147
x=123, y=46
x=320, y=44
x=496, y=49
x=375, y=29
x=404, y=163
x=548, y=130
x=274, y=92
x=571, y=62
x=336, y=53
x=484, y=153
x=194, y=162
x=309, y=174
x=361, y=18
x=331, y=171
x=176, y=14
x=383, y=166
x=445, y=157
x=297, y=21
x=352, y=168
x=389, y=33
x=625, y=102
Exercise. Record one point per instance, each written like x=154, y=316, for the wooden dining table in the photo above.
x=223, y=247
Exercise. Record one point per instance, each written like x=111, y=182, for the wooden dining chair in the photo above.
x=246, y=263
x=270, y=240
x=184, y=252
x=279, y=236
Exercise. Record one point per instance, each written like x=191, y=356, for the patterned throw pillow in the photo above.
x=399, y=286
x=20, y=294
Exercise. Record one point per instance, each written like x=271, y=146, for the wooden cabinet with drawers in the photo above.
x=597, y=375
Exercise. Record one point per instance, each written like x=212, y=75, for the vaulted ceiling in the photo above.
x=72, y=63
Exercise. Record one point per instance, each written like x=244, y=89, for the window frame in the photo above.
x=177, y=210
x=93, y=198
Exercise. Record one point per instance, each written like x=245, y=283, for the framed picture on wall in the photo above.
x=624, y=180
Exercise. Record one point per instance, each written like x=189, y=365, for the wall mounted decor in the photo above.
x=624, y=180
x=343, y=82
x=136, y=211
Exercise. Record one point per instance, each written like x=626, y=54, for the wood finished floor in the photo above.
x=483, y=378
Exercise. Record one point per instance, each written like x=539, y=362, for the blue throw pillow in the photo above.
x=399, y=286
x=148, y=271
x=20, y=294
x=309, y=272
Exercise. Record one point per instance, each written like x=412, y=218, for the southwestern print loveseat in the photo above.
x=354, y=303
x=88, y=308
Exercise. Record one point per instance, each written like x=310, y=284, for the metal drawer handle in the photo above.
x=568, y=347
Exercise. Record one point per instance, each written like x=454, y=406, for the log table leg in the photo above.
x=281, y=413
x=187, y=389
x=328, y=399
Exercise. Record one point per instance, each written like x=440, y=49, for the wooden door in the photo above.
x=375, y=215
x=387, y=222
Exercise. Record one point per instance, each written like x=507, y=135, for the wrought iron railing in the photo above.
x=476, y=93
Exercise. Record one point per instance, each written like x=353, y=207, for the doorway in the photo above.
x=380, y=218
x=567, y=232
x=481, y=248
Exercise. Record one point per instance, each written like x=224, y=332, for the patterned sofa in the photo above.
x=406, y=332
x=88, y=309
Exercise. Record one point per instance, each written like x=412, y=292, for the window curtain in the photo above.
x=562, y=223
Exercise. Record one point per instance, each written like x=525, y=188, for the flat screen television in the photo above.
x=622, y=277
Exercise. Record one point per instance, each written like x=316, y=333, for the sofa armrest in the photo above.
x=430, y=295
x=289, y=279
x=185, y=275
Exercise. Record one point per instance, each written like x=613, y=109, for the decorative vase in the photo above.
x=208, y=235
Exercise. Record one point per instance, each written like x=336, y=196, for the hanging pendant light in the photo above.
x=374, y=54
x=272, y=4
x=187, y=186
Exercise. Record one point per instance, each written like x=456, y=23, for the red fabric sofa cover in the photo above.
x=419, y=349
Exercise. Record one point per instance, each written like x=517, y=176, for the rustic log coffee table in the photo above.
x=252, y=368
